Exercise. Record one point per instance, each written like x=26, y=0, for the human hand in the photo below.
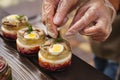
x=60, y=8
x=100, y=14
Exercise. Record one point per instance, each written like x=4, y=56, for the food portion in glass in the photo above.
x=29, y=39
x=11, y=24
x=55, y=55
x=5, y=70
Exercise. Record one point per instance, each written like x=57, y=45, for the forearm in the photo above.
x=116, y=4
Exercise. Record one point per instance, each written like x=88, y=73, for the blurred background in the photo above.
x=32, y=8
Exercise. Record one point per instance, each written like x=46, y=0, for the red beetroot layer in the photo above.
x=9, y=36
x=29, y=51
x=57, y=67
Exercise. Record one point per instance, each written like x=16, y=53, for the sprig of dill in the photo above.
x=58, y=40
x=30, y=29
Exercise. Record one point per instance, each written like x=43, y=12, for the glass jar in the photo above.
x=5, y=70
x=52, y=58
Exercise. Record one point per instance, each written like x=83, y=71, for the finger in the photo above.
x=51, y=29
x=63, y=9
x=65, y=20
x=80, y=12
x=100, y=31
x=85, y=20
x=96, y=38
x=100, y=27
x=48, y=11
x=99, y=37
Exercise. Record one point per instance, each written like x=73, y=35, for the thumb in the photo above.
x=63, y=9
x=48, y=11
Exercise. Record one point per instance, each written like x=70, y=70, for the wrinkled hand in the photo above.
x=48, y=11
x=60, y=8
x=94, y=19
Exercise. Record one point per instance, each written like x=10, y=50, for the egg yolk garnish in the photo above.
x=12, y=17
x=31, y=36
x=56, y=49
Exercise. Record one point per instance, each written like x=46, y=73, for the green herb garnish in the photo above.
x=20, y=17
x=30, y=29
x=58, y=40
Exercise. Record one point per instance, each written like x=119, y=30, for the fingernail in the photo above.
x=56, y=20
x=68, y=33
x=65, y=20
